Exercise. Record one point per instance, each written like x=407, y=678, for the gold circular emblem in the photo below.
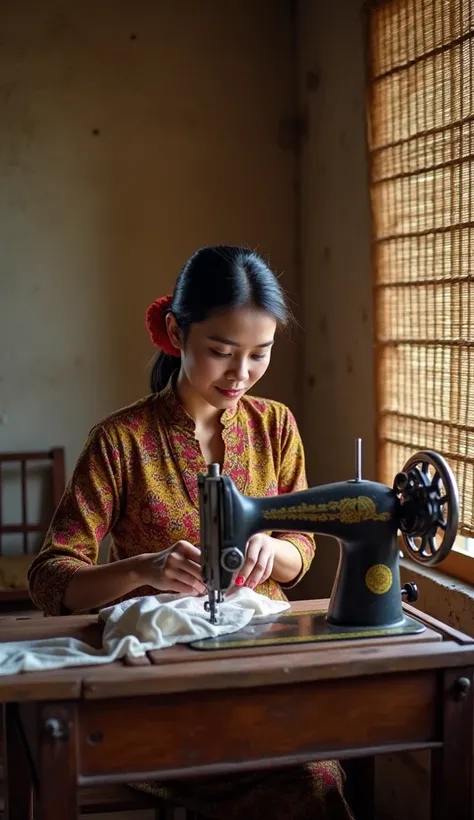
x=378, y=579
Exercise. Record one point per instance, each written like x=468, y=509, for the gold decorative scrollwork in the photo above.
x=346, y=510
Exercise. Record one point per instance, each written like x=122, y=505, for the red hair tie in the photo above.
x=156, y=324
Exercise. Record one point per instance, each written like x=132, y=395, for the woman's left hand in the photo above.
x=259, y=558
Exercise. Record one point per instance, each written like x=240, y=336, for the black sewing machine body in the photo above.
x=364, y=516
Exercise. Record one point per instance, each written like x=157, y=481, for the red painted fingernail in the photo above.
x=239, y=580
x=250, y=584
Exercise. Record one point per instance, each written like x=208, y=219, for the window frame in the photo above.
x=459, y=564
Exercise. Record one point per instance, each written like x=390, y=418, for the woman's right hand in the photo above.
x=177, y=569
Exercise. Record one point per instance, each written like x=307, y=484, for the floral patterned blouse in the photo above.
x=136, y=479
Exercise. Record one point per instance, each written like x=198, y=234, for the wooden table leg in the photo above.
x=452, y=786
x=57, y=761
x=17, y=777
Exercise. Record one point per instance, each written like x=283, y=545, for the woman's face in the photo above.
x=225, y=355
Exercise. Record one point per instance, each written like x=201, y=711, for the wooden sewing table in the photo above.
x=192, y=712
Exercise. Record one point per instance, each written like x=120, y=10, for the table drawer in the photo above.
x=211, y=731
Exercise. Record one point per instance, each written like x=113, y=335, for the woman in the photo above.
x=136, y=479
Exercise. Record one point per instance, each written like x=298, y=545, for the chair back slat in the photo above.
x=59, y=474
x=1, y=519
x=24, y=505
x=55, y=471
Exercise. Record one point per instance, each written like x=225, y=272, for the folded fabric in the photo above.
x=139, y=625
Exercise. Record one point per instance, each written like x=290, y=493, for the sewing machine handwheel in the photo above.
x=429, y=507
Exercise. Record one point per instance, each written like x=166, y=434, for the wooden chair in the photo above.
x=100, y=799
x=52, y=462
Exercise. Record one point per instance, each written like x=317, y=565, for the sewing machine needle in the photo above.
x=358, y=459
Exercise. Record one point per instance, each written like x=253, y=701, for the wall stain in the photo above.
x=313, y=79
x=60, y=27
x=349, y=363
x=311, y=380
x=7, y=91
x=292, y=131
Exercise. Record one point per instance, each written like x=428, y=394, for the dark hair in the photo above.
x=220, y=277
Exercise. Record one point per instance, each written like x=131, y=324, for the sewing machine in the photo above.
x=364, y=516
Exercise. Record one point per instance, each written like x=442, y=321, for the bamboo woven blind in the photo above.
x=421, y=127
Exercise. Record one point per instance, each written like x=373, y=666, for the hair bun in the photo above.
x=156, y=324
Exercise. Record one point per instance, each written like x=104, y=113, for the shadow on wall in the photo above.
x=122, y=150
x=187, y=157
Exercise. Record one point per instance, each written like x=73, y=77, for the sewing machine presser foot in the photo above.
x=211, y=605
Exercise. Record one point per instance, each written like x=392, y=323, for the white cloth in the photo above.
x=138, y=625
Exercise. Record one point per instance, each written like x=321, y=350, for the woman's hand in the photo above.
x=177, y=569
x=267, y=556
x=259, y=558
